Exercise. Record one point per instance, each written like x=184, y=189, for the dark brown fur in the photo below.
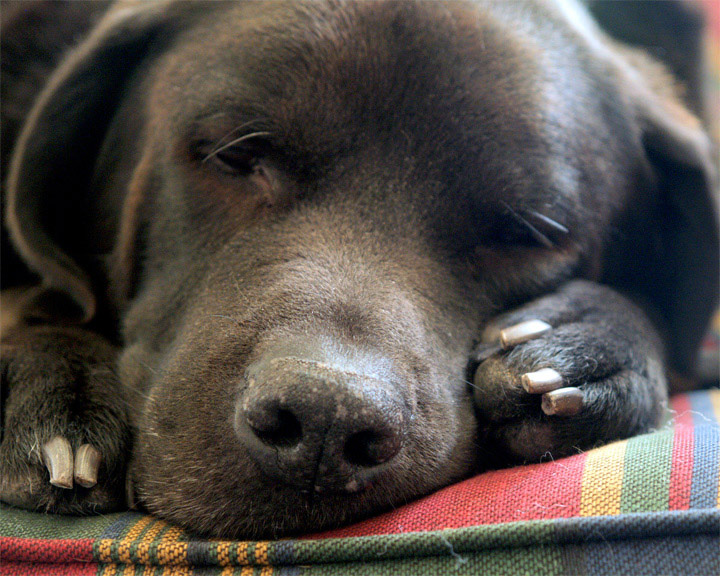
x=381, y=230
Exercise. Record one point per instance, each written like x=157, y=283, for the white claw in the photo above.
x=562, y=402
x=87, y=463
x=58, y=458
x=523, y=332
x=541, y=381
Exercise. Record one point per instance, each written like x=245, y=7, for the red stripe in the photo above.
x=712, y=14
x=540, y=491
x=32, y=569
x=682, y=455
x=680, y=404
x=50, y=551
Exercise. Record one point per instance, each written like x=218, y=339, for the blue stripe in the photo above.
x=702, y=409
x=116, y=529
x=706, y=453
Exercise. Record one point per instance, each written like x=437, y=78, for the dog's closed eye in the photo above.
x=239, y=157
x=526, y=229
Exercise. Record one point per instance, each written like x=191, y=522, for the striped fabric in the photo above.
x=647, y=505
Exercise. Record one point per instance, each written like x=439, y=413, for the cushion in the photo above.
x=646, y=505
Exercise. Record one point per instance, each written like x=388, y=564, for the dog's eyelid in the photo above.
x=529, y=227
x=241, y=156
x=251, y=142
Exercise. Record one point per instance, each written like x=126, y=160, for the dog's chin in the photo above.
x=273, y=512
x=217, y=492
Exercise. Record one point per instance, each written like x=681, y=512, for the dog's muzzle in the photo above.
x=313, y=422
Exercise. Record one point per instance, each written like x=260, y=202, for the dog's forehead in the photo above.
x=340, y=61
x=432, y=79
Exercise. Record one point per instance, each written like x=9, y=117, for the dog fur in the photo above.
x=406, y=179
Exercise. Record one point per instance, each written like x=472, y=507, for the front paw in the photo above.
x=65, y=434
x=566, y=372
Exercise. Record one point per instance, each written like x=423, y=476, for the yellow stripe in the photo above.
x=129, y=539
x=223, y=553
x=228, y=571
x=261, y=552
x=143, y=548
x=110, y=570
x=715, y=401
x=177, y=571
x=242, y=555
x=266, y=571
x=104, y=551
x=170, y=551
x=601, y=487
x=247, y=571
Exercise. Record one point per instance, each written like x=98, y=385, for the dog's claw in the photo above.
x=541, y=381
x=562, y=402
x=58, y=457
x=494, y=340
x=523, y=332
x=87, y=462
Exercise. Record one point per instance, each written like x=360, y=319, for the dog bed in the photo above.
x=647, y=505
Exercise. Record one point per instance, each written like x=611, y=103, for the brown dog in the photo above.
x=271, y=235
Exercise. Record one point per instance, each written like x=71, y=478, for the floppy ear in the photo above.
x=668, y=250
x=53, y=160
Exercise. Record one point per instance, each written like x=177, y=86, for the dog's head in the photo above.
x=302, y=213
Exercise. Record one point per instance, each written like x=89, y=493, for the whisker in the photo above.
x=236, y=129
x=550, y=222
x=234, y=142
x=534, y=232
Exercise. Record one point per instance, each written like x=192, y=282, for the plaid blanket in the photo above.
x=647, y=505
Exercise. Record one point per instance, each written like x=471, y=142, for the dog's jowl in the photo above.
x=276, y=266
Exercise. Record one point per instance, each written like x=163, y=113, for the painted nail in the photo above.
x=562, y=402
x=541, y=381
x=523, y=332
x=87, y=462
x=58, y=457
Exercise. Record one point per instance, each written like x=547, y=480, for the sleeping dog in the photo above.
x=296, y=262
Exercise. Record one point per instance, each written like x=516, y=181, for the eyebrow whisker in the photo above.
x=534, y=232
x=236, y=129
x=235, y=142
x=555, y=225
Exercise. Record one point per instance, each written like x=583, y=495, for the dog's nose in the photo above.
x=315, y=426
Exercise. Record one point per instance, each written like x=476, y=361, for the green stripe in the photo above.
x=444, y=542
x=152, y=549
x=138, y=540
x=19, y=523
x=524, y=561
x=251, y=553
x=213, y=553
x=233, y=554
x=646, y=480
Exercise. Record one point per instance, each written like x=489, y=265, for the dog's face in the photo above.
x=321, y=203
x=341, y=181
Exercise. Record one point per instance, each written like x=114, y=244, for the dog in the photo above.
x=277, y=266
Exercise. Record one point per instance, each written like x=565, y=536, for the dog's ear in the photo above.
x=667, y=249
x=54, y=156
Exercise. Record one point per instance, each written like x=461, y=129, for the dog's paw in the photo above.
x=566, y=372
x=65, y=434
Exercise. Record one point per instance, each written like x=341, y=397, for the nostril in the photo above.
x=277, y=427
x=369, y=448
